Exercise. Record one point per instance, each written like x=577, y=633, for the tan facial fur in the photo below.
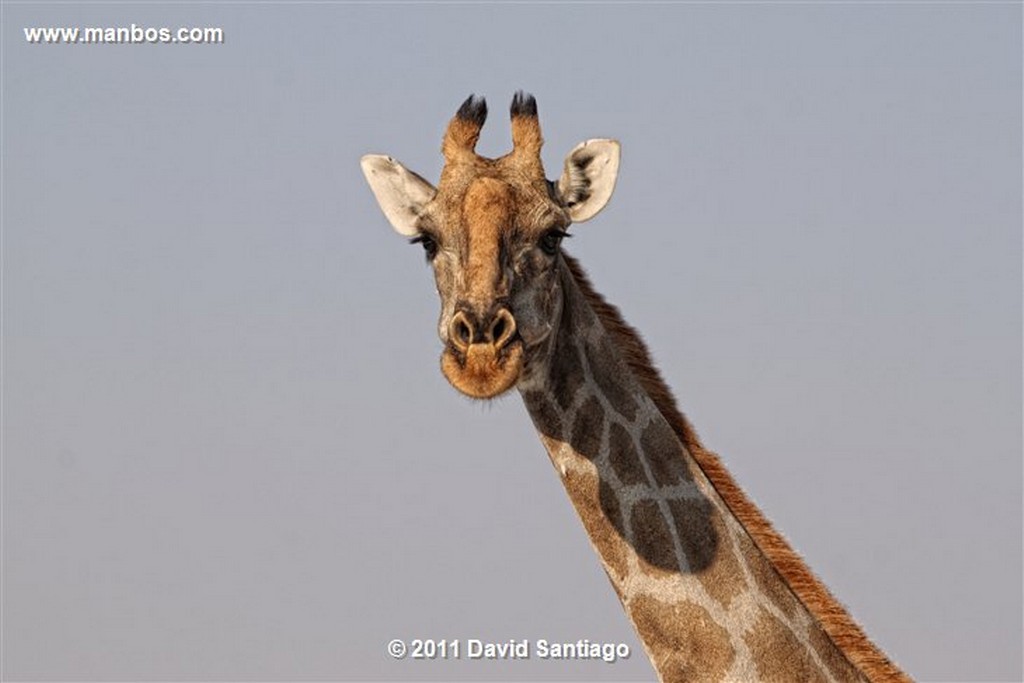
x=496, y=283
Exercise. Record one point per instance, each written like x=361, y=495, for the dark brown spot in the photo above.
x=608, y=372
x=615, y=555
x=623, y=456
x=779, y=656
x=699, y=538
x=664, y=454
x=651, y=537
x=686, y=643
x=566, y=372
x=586, y=432
x=545, y=416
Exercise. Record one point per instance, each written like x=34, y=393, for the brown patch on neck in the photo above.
x=835, y=621
x=779, y=656
x=687, y=644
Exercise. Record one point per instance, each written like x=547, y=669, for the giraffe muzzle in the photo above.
x=484, y=356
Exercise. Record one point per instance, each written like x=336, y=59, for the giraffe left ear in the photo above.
x=589, y=177
x=401, y=193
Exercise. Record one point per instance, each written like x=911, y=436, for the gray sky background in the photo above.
x=229, y=454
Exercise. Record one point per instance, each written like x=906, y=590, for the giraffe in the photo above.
x=712, y=590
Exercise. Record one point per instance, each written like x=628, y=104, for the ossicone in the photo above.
x=526, y=136
x=464, y=129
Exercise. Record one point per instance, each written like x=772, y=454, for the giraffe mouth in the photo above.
x=483, y=371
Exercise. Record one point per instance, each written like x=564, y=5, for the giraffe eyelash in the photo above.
x=428, y=242
x=551, y=240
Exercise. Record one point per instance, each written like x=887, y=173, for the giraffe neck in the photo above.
x=704, y=600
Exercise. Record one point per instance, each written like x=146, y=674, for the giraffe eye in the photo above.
x=551, y=240
x=429, y=244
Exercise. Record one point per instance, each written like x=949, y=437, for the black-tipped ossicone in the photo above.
x=474, y=110
x=523, y=104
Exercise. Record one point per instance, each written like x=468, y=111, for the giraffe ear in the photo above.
x=401, y=193
x=589, y=177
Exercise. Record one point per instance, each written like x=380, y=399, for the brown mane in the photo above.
x=837, y=623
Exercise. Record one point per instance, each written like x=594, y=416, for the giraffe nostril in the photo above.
x=498, y=329
x=460, y=332
x=503, y=328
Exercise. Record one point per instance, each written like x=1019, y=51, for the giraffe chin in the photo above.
x=483, y=372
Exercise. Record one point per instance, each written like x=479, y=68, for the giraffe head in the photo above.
x=492, y=230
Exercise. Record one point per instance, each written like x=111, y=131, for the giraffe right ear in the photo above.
x=589, y=177
x=402, y=194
